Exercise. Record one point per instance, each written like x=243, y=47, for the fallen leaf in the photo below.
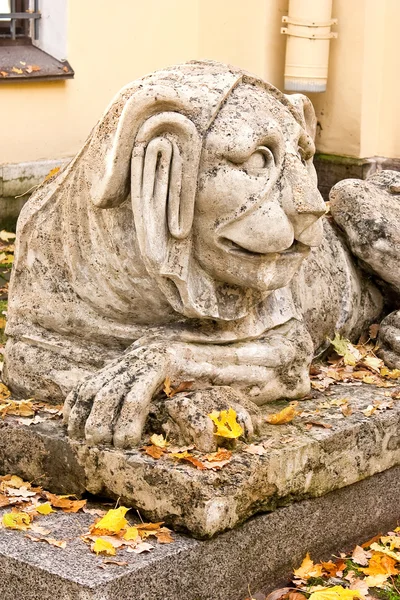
x=4, y=392
x=131, y=533
x=44, y=509
x=58, y=543
x=4, y=73
x=333, y=568
x=159, y=441
x=33, y=68
x=376, y=580
x=336, y=592
x=103, y=547
x=51, y=173
x=373, y=331
x=153, y=451
x=40, y=530
x=119, y=563
x=369, y=411
x=276, y=594
x=17, y=70
x=6, y=236
x=380, y=564
x=392, y=540
x=368, y=543
x=343, y=347
x=65, y=502
x=308, y=569
x=256, y=449
x=113, y=522
x=346, y=410
x=142, y=547
x=226, y=423
x=164, y=536
x=360, y=556
x=187, y=457
x=360, y=585
x=17, y=520
x=373, y=363
x=286, y=415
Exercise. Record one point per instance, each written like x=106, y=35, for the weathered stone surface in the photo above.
x=261, y=553
x=299, y=463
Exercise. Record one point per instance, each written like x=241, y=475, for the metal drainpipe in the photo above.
x=308, y=27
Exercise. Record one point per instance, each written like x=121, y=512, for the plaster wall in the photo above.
x=357, y=114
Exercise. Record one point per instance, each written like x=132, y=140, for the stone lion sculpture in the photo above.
x=187, y=240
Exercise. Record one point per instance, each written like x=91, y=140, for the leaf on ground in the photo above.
x=65, y=503
x=6, y=236
x=153, y=451
x=164, y=536
x=373, y=331
x=17, y=408
x=17, y=520
x=217, y=460
x=380, y=563
x=392, y=540
x=40, y=530
x=4, y=392
x=333, y=568
x=373, y=363
x=187, y=457
x=103, y=547
x=276, y=594
x=131, y=533
x=369, y=411
x=58, y=543
x=286, y=415
x=226, y=423
x=360, y=585
x=142, y=547
x=308, y=569
x=343, y=347
x=336, y=592
x=361, y=556
x=257, y=449
x=17, y=70
x=109, y=561
x=51, y=173
x=376, y=581
x=44, y=509
x=33, y=68
x=159, y=441
x=113, y=522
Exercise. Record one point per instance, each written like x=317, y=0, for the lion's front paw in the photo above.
x=189, y=421
x=111, y=406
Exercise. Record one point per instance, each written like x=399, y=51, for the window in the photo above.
x=33, y=40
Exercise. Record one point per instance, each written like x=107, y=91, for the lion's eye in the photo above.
x=259, y=160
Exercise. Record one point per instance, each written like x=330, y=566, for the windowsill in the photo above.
x=25, y=57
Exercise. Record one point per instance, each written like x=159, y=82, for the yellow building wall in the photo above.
x=357, y=114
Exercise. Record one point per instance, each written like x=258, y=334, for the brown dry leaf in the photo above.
x=318, y=424
x=153, y=451
x=65, y=69
x=163, y=536
x=110, y=561
x=295, y=596
x=65, y=503
x=276, y=594
x=58, y=543
x=4, y=73
x=373, y=363
x=373, y=540
x=257, y=449
x=221, y=454
x=286, y=415
x=369, y=411
x=333, y=568
x=33, y=68
x=360, y=556
x=142, y=547
x=18, y=408
x=360, y=585
x=167, y=389
x=346, y=410
x=17, y=70
x=308, y=569
x=187, y=457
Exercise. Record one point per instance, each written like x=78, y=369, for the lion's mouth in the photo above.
x=295, y=250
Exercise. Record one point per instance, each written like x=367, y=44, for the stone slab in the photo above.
x=260, y=553
x=302, y=461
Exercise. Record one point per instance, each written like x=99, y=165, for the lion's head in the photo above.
x=223, y=189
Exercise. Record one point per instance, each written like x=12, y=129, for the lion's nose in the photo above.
x=302, y=202
x=265, y=230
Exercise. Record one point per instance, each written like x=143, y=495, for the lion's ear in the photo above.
x=164, y=171
x=306, y=112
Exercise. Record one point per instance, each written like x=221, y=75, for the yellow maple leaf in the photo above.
x=112, y=522
x=4, y=392
x=159, y=441
x=336, y=592
x=345, y=348
x=103, y=547
x=378, y=548
x=226, y=423
x=284, y=416
x=16, y=520
x=307, y=569
x=131, y=533
x=44, y=509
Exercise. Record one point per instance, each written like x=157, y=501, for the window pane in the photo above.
x=5, y=7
